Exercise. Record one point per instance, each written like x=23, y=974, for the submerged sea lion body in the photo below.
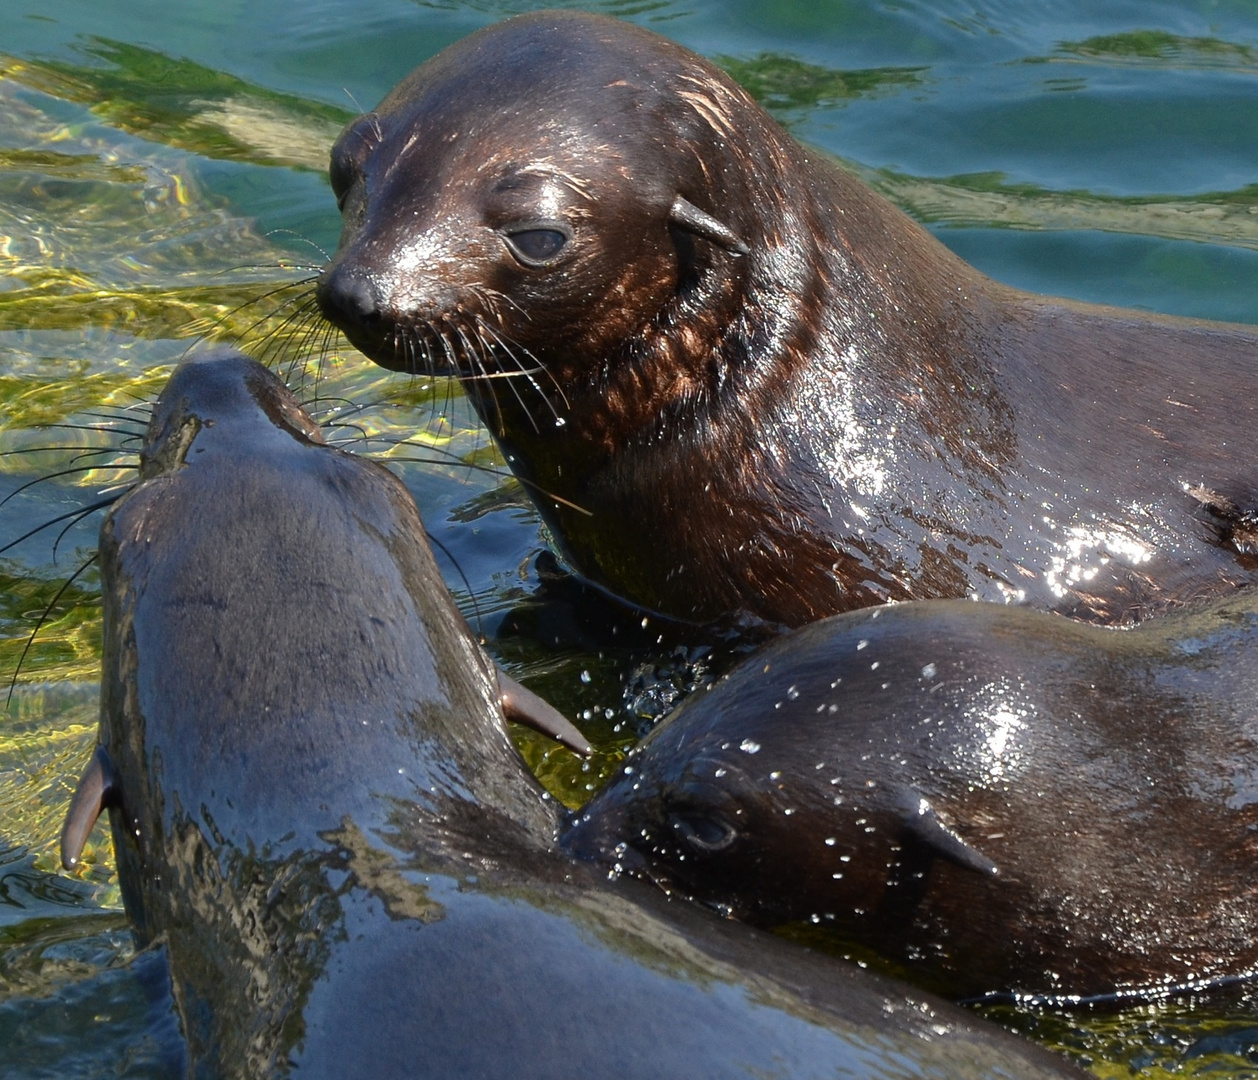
x=753, y=386
x=316, y=809
x=1002, y=800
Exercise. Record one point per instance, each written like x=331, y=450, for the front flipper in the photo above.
x=923, y=825
x=94, y=793
x=525, y=707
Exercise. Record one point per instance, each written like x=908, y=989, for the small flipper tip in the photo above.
x=525, y=707
x=92, y=795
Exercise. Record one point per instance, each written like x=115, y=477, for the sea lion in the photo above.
x=738, y=383
x=317, y=811
x=1000, y=799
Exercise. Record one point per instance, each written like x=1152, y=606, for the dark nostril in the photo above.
x=345, y=294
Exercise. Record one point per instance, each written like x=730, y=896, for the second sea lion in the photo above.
x=738, y=383
x=1001, y=800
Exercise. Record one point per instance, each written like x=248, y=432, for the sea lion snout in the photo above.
x=350, y=292
x=222, y=399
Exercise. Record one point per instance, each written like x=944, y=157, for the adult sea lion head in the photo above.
x=561, y=189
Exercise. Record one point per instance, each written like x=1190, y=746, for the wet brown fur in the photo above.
x=845, y=414
x=1092, y=824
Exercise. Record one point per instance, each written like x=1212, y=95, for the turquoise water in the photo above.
x=161, y=164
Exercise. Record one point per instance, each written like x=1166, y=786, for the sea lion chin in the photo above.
x=744, y=385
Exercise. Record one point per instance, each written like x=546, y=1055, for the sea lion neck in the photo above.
x=374, y=700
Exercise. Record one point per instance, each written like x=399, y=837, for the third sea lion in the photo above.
x=999, y=799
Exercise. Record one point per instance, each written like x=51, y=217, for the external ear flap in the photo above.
x=96, y=788
x=685, y=215
x=923, y=825
x=525, y=707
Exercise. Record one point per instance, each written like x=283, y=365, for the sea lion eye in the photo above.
x=538, y=245
x=703, y=831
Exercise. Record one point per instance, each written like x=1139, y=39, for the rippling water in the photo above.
x=161, y=171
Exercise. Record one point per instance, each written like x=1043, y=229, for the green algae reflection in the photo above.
x=791, y=88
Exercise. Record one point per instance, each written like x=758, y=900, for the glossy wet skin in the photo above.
x=319, y=817
x=817, y=409
x=243, y=675
x=1001, y=800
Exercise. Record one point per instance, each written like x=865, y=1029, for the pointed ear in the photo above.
x=685, y=215
x=525, y=707
x=95, y=790
x=923, y=825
